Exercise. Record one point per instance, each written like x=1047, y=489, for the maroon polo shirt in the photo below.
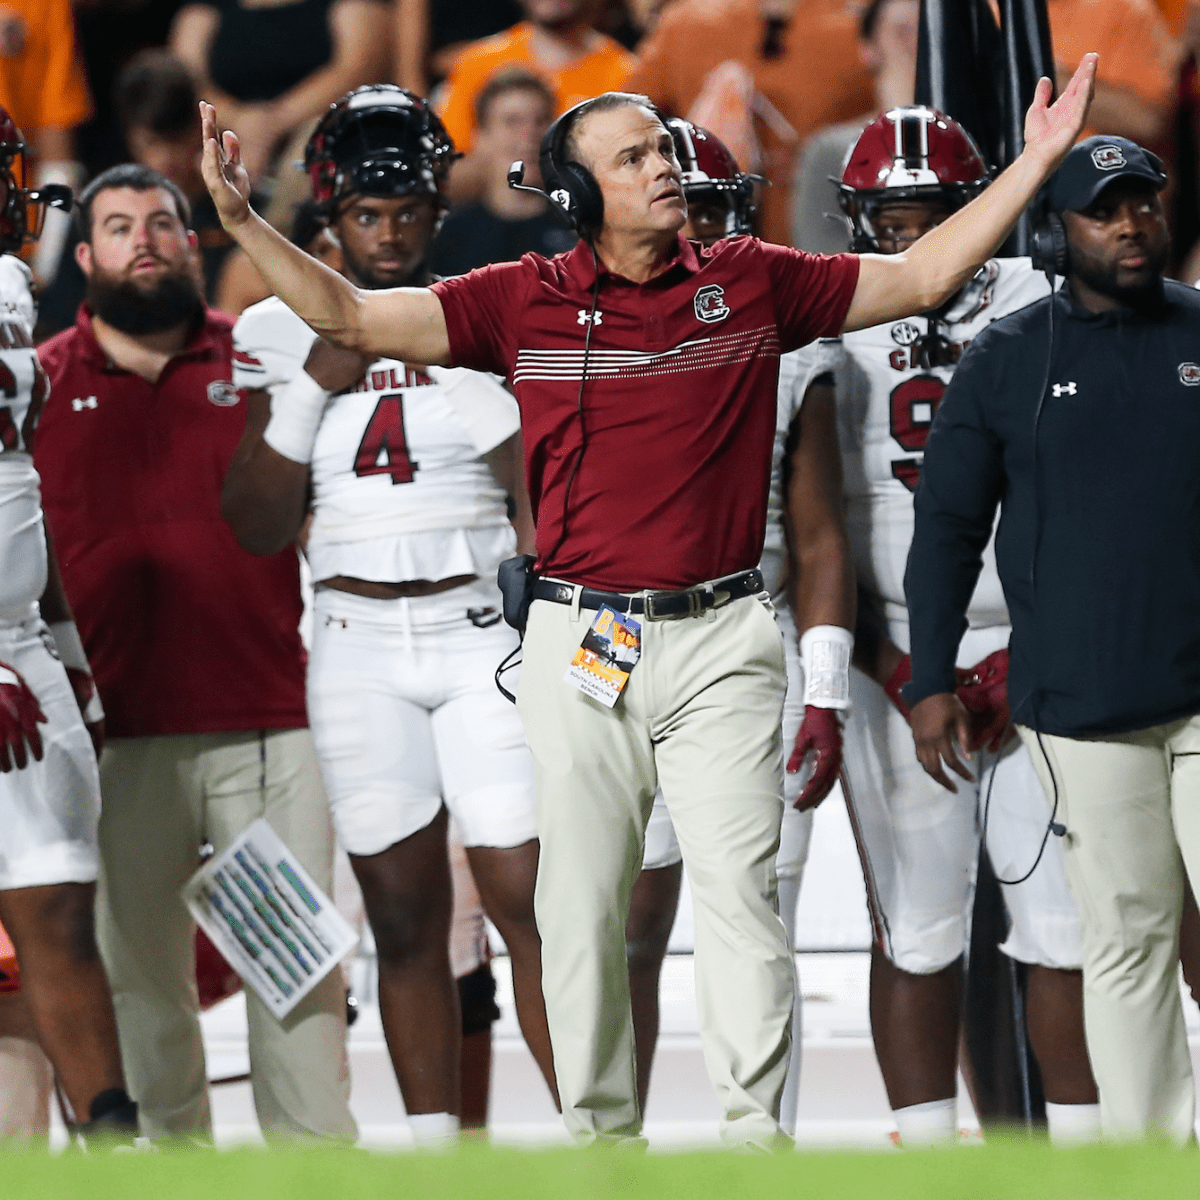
x=678, y=407
x=184, y=630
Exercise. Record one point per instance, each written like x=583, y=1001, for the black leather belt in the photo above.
x=655, y=606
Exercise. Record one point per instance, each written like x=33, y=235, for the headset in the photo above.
x=1048, y=251
x=570, y=187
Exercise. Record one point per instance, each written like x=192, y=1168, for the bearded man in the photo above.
x=196, y=653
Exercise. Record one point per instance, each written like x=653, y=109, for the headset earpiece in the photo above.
x=1048, y=245
x=572, y=188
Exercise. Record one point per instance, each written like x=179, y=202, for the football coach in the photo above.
x=646, y=372
x=1080, y=416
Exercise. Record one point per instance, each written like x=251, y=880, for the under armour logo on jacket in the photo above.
x=1065, y=389
x=586, y=317
x=86, y=402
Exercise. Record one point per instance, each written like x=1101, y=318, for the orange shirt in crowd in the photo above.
x=1136, y=49
x=606, y=69
x=1175, y=14
x=42, y=81
x=815, y=80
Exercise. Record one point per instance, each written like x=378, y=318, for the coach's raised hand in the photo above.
x=1052, y=129
x=226, y=178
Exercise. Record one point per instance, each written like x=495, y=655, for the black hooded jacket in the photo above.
x=1094, y=458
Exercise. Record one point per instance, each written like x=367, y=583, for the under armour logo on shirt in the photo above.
x=594, y=318
x=86, y=402
x=1065, y=389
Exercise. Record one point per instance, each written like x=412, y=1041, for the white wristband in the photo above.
x=825, y=652
x=69, y=645
x=296, y=413
x=8, y=678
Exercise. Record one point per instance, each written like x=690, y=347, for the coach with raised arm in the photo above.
x=646, y=372
x=1080, y=416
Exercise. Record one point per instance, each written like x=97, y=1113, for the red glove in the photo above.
x=19, y=717
x=900, y=676
x=820, y=735
x=984, y=694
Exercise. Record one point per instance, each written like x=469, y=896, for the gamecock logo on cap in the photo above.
x=1108, y=158
x=1189, y=374
x=710, y=304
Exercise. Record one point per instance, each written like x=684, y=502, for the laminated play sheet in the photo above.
x=272, y=923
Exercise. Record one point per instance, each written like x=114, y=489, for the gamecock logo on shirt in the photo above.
x=710, y=304
x=1189, y=374
x=222, y=393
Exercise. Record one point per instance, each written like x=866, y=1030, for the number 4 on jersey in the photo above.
x=384, y=448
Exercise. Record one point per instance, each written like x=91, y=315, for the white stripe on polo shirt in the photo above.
x=697, y=355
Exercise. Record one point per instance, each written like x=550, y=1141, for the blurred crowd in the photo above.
x=785, y=83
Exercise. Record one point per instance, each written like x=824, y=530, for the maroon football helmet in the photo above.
x=908, y=153
x=22, y=211
x=711, y=175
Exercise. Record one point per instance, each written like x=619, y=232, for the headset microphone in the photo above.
x=516, y=180
x=1058, y=829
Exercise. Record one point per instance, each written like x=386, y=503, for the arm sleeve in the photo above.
x=800, y=369
x=458, y=111
x=65, y=100
x=482, y=311
x=1144, y=58
x=955, y=507
x=812, y=292
x=652, y=74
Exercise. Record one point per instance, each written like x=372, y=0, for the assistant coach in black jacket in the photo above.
x=1080, y=416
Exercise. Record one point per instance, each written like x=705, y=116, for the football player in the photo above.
x=910, y=169
x=51, y=726
x=406, y=470
x=805, y=549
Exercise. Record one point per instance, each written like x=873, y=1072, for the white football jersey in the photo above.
x=885, y=409
x=796, y=371
x=22, y=394
x=400, y=488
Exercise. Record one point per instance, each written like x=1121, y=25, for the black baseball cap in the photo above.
x=1093, y=164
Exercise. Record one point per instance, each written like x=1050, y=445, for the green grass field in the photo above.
x=1004, y=1170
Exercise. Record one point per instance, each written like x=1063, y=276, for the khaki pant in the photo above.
x=1131, y=805
x=700, y=716
x=162, y=798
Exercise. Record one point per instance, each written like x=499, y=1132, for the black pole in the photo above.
x=1027, y=57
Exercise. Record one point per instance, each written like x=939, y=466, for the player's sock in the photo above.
x=432, y=1130
x=1073, y=1124
x=934, y=1123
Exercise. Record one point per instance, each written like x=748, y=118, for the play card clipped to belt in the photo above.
x=265, y=914
x=608, y=653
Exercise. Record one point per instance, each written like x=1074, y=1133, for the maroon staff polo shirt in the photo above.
x=678, y=406
x=185, y=631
